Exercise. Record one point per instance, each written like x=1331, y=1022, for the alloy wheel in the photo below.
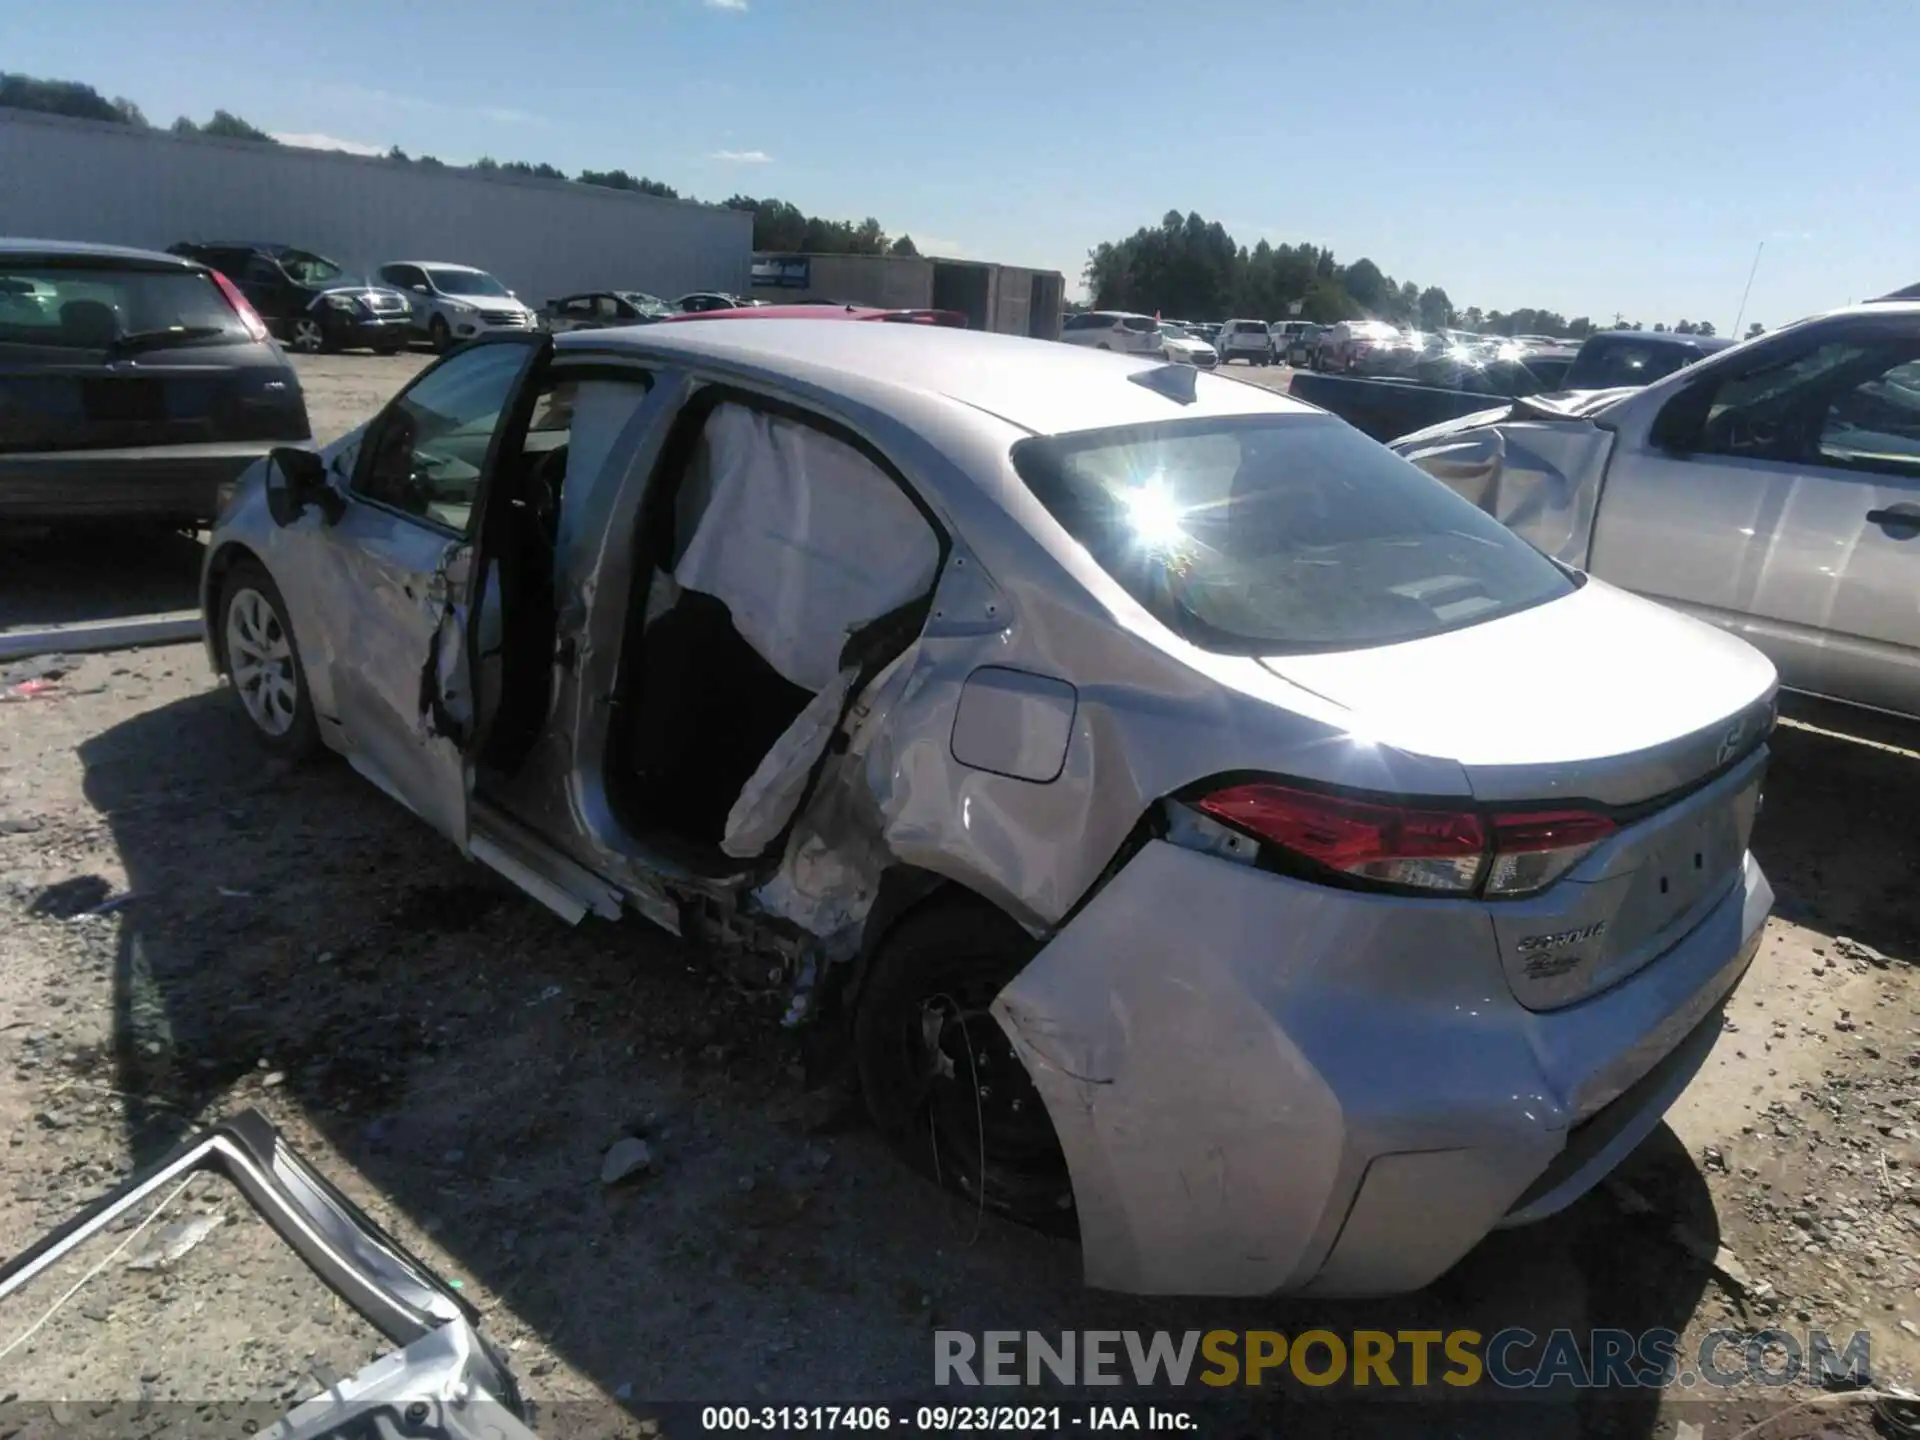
x=308, y=338
x=260, y=659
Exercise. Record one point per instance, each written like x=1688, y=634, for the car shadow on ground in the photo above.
x=1839, y=826
x=63, y=575
x=298, y=941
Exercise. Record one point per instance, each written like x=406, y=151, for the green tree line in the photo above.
x=1191, y=267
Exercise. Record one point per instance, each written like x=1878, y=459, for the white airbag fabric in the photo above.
x=803, y=538
x=773, y=791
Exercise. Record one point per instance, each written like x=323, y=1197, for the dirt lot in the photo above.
x=459, y=1062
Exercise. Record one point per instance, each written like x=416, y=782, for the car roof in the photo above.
x=20, y=249
x=438, y=265
x=796, y=312
x=1036, y=385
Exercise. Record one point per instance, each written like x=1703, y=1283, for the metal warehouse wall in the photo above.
x=83, y=180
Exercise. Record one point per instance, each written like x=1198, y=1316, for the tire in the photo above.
x=262, y=659
x=306, y=335
x=439, y=334
x=939, y=1076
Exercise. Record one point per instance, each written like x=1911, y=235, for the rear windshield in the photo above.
x=93, y=307
x=1282, y=533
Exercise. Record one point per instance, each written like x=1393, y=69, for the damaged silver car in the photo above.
x=1210, y=835
x=1772, y=489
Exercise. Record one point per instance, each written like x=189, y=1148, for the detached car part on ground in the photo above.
x=133, y=385
x=445, y=1382
x=1202, y=830
x=1772, y=490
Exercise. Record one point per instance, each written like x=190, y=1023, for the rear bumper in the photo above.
x=1346, y=1111
x=171, y=482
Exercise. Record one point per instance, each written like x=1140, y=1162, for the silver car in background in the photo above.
x=1772, y=489
x=1199, y=830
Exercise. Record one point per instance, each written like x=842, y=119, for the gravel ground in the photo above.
x=459, y=1062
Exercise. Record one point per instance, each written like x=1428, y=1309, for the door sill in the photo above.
x=568, y=889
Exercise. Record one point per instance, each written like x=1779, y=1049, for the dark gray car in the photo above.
x=132, y=384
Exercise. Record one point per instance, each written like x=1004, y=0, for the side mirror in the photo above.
x=297, y=478
x=418, y=289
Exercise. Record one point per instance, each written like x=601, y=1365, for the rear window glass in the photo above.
x=92, y=308
x=1276, y=534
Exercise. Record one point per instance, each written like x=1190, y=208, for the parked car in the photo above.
x=807, y=310
x=1180, y=344
x=1283, y=332
x=132, y=385
x=976, y=692
x=1119, y=330
x=309, y=301
x=450, y=303
x=1300, y=345
x=1422, y=390
x=599, y=309
x=1608, y=359
x=1772, y=489
x=1248, y=340
x=1359, y=347
x=711, y=300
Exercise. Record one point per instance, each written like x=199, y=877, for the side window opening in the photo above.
x=1849, y=403
x=780, y=544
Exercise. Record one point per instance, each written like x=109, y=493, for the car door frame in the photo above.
x=419, y=744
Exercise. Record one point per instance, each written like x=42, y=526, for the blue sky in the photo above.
x=1591, y=158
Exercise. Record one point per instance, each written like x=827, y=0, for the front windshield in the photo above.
x=646, y=304
x=1282, y=533
x=464, y=282
x=307, y=269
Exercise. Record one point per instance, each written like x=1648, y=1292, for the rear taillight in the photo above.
x=249, y=317
x=1412, y=847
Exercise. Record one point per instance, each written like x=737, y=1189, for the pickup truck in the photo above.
x=1772, y=489
x=1437, y=387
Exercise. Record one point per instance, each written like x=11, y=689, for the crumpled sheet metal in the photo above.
x=1539, y=478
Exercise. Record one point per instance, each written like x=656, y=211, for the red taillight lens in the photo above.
x=249, y=317
x=1393, y=844
x=1415, y=847
x=1531, y=851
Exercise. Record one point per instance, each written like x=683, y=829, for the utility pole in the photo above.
x=1749, y=290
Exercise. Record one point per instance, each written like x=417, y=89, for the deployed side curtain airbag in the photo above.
x=804, y=538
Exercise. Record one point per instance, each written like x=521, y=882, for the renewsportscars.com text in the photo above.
x=1377, y=1360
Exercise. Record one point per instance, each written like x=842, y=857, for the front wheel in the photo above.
x=940, y=1077
x=439, y=334
x=264, y=663
x=307, y=335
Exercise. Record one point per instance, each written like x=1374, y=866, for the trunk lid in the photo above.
x=1598, y=700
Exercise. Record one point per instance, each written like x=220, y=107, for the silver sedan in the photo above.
x=1205, y=833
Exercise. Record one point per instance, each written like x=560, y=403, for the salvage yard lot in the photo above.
x=460, y=1061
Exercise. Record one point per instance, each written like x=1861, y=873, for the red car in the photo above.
x=952, y=318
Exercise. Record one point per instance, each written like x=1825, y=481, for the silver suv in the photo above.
x=1248, y=340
